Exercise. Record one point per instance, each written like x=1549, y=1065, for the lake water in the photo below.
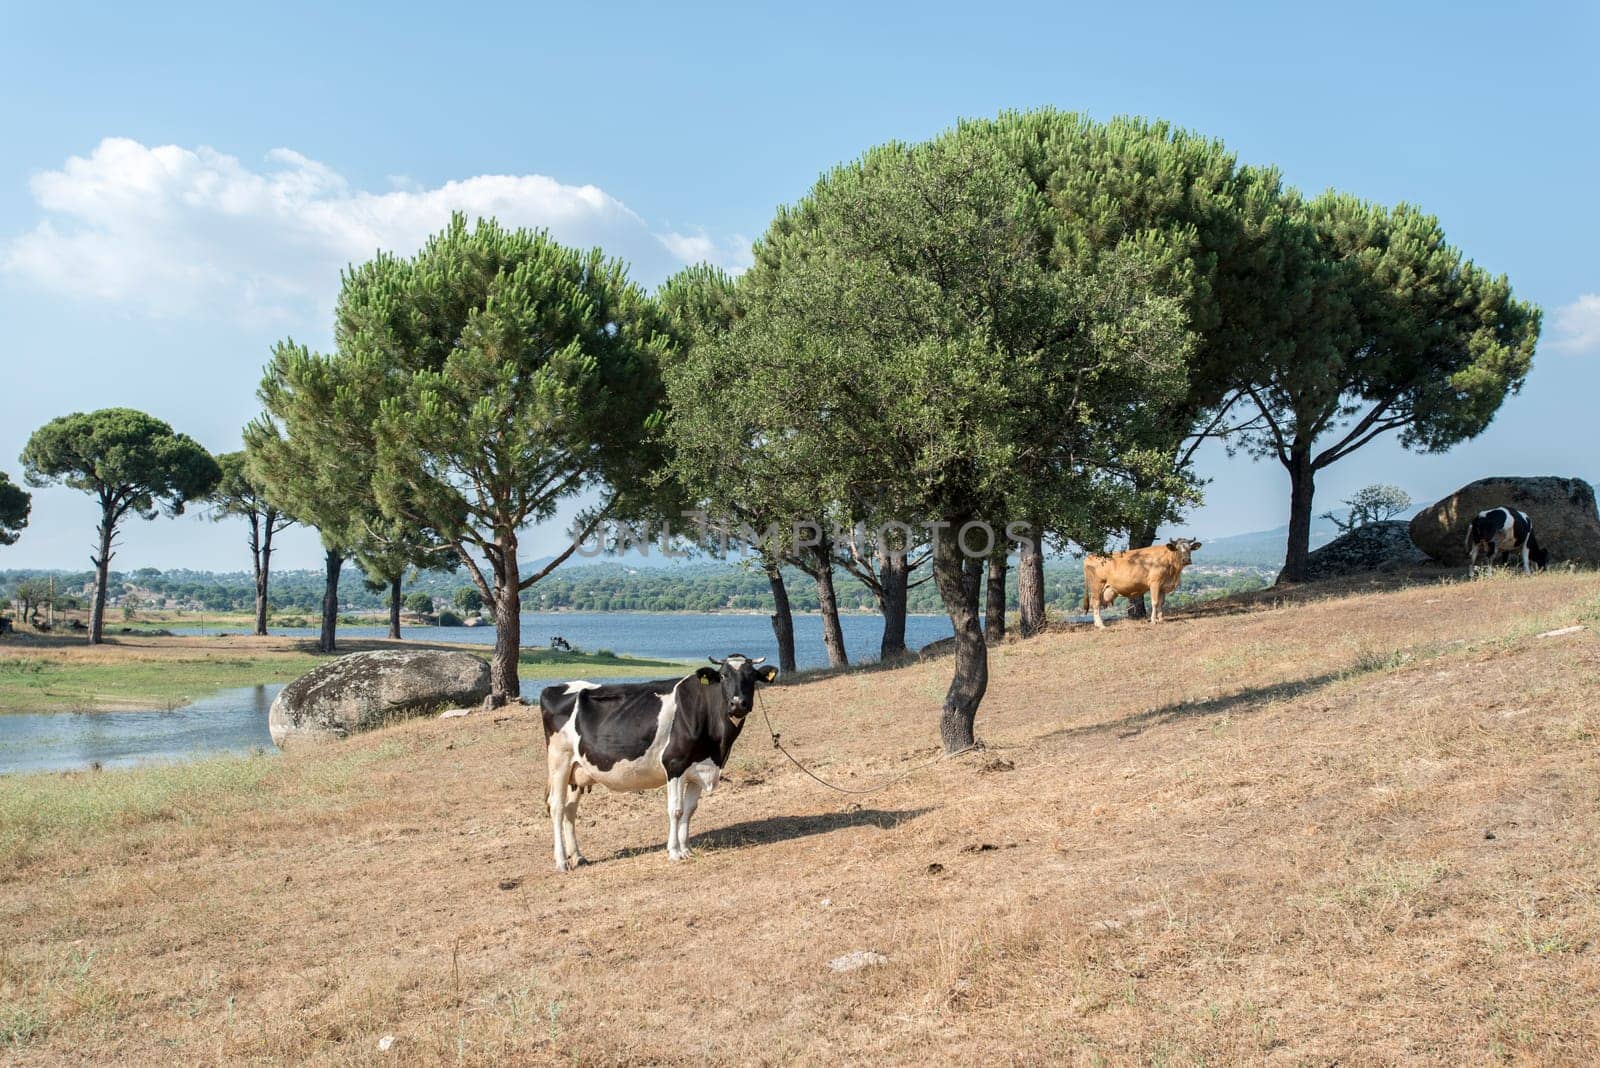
x=669, y=635
x=228, y=721
x=235, y=721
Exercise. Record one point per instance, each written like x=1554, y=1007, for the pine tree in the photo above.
x=131, y=462
x=1397, y=332
x=907, y=340
x=15, y=503
x=475, y=387
x=239, y=494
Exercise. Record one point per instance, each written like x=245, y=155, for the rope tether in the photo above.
x=778, y=745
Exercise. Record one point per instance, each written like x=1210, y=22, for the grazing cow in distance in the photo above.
x=633, y=737
x=1504, y=531
x=1133, y=572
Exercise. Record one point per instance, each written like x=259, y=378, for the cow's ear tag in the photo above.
x=704, y=681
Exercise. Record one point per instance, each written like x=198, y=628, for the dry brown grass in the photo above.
x=1344, y=829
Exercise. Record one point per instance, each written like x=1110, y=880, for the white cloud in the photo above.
x=1576, y=327
x=172, y=231
x=731, y=255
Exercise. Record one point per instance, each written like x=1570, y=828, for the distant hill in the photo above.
x=1256, y=548
x=1261, y=548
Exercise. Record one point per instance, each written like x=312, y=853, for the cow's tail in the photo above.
x=1085, y=607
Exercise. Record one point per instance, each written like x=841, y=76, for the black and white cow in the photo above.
x=638, y=736
x=1498, y=531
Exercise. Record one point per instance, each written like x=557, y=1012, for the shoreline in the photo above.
x=47, y=674
x=381, y=619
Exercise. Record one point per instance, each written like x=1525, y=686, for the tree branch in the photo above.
x=474, y=571
x=566, y=553
x=1343, y=446
x=1272, y=424
x=1344, y=450
x=1211, y=431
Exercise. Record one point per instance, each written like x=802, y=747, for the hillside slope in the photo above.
x=1351, y=828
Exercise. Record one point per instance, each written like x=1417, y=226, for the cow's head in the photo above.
x=738, y=675
x=1538, y=556
x=1183, y=547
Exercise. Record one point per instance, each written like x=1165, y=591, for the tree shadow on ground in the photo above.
x=1291, y=594
x=775, y=829
x=1240, y=700
x=22, y=641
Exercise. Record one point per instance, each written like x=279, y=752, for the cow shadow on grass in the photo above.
x=1245, y=700
x=775, y=829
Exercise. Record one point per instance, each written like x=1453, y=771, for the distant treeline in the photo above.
x=601, y=587
x=707, y=588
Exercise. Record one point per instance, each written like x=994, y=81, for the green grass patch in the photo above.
x=48, y=810
x=53, y=807
x=42, y=684
x=558, y=664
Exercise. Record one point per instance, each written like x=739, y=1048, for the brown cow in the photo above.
x=1133, y=572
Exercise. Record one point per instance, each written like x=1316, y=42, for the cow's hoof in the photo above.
x=565, y=865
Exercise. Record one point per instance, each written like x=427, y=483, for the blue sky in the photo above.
x=180, y=185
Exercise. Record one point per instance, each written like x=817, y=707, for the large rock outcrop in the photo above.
x=1562, y=510
x=366, y=690
x=1382, y=546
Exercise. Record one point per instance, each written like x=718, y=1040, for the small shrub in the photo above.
x=1371, y=660
x=21, y=1024
x=448, y=618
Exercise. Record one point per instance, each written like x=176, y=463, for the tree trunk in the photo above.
x=1030, y=583
x=102, y=567
x=782, y=616
x=394, y=608
x=504, y=685
x=828, y=605
x=1140, y=538
x=260, y=555
x=261, y=601
x=333, y=564
x=972, y=656
x=994, y=623
x=1302, y=488
x=972, y=582
x=894, y=577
